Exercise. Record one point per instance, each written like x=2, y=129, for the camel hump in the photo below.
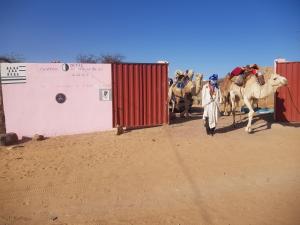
x=247, y=78
x=250, y=79
x=242, y=80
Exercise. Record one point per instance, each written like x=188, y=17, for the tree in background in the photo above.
x=105, y=58
x=11, y=58
x=108, y=58
x=87, y=58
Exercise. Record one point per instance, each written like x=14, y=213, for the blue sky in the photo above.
x=206, y=36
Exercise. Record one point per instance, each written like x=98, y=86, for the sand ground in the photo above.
x=172, y=174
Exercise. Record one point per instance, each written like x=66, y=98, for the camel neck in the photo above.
x=198, y=87
x=264, y=90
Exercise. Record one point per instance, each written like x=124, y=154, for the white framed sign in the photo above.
x=12, y=73
x=105, y=94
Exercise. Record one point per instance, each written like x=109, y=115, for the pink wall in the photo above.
x=31, y=107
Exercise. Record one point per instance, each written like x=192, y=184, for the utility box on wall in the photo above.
x=56, y=99
x=287, y=101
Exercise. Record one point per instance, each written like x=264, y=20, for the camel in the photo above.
x=190, y=89
x=253, y=91
x=224, y=87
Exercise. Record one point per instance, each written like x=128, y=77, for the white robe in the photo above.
x=211, y=105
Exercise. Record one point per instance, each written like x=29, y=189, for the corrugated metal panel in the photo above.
x=140, y=93
x=287, y=105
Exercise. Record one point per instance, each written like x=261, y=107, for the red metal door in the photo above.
x=140, y=93
x=287, y=102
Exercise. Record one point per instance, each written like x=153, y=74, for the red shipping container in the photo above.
x=140, y=94
x=287, y=101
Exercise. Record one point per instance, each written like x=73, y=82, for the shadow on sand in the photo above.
x=289, y=124
x=196, y=114
x=260, y=122
x=26, y=139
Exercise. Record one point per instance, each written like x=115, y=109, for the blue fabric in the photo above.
x=180, y=85
x=214, y=80
x=213, y=77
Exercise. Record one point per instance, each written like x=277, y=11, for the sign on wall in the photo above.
x=105, y=94
x=13, y=73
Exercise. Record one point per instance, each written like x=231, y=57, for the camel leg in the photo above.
x=177, y=105
x=227, y=106
x=224, y=106
x=173, y=99
x=184, y=111
x=173, y=105
x=255, y=101
x=186, y=106
x=226, y=113
x=250, y=115
x=233, y=106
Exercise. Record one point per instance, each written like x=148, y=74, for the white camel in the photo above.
x=253, y=90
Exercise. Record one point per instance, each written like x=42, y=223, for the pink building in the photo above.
x=56, y=99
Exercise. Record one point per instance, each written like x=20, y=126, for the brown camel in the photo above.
x=191, y=88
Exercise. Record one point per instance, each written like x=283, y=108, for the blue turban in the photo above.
x=214, y=80
x=213, y=77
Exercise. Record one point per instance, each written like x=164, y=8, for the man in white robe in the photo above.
x=211, y=99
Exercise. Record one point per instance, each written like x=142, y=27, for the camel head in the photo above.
x=198, y=78
x=190, y=74
x=197, y=84
x=178, y=73
x=277, y=81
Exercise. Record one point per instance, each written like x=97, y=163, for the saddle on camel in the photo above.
x=183, y=78
x=240, y=75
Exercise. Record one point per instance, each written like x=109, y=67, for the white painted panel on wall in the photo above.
x=12, y=73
